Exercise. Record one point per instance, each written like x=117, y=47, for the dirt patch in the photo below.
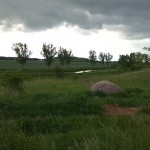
x=117, y=110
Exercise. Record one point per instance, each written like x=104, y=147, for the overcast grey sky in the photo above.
x=127, y=18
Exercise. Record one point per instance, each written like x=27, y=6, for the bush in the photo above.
x=12, y=80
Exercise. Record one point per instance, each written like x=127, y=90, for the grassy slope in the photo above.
x=63, y=114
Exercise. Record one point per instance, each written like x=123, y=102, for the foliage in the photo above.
x=101, y=57
x=61, y=56
x=64, y=56
x=22, y=52
x=48, y=52
x=105, y=57
x=146, y=58
x=124, y=62
x=108, y=57
x=92, y=57
x=134, y=61
x=12, y=80
x=146, y=48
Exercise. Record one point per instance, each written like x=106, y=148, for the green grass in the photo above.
x=39, y=69
x=62, y=114
x=31, y=64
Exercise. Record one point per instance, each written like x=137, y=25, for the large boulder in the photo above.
x=107, y=87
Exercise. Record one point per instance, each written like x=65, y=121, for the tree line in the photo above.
x=49, y=52
x=103, y=57
x=132, y=62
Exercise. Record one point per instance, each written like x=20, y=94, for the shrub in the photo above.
x=12, y=80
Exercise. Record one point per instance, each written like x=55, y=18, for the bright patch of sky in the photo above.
x=80, y=41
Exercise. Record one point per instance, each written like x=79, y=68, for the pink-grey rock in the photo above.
x=107, y=87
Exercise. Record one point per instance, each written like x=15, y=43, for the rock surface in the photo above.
x=107, y=87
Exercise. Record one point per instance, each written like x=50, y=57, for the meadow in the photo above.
x=54, y=113
x=77, y=63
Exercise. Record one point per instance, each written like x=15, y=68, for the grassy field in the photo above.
x=40, y=64
x=38, y=68
x=62, y=114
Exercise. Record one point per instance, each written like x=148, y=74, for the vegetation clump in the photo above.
x=92, y=57
x=48, y=52
x=105, y=57
x=133, y=62
x=65, y=56
x=13, y=81
x=22, y=53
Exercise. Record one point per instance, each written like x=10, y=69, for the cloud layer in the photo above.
x=128, y=16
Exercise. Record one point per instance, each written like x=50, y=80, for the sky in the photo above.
x=115, y=26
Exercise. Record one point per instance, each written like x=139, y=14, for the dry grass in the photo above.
x=116, y=110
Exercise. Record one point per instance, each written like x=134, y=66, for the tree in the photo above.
x=146, y=58
x=108, y=57
x=68, y=57
x=105, y=57
x=61, y=56
x=101, y=57
x=64, y=56
x=48, y=52
x=134, y=61
x=139, y=58
x=92, y=57
x=124, y=62
x=146, y=48
x=22, y=52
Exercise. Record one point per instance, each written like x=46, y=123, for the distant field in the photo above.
x=32, y=64
x=39, y=69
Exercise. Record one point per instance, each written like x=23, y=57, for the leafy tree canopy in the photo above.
x=92, y=57
x=48, y=52
x=22, y=52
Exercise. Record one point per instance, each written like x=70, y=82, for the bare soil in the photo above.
x=116, y=110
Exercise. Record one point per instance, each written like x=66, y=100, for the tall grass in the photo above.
x=79, y=132
x=60, y=114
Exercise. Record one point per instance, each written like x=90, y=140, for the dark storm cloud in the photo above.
x=129, y=16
